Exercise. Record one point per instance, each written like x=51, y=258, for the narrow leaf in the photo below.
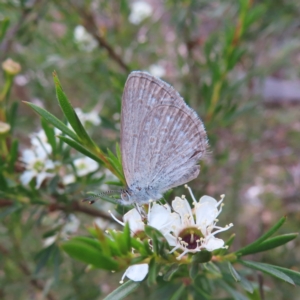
x=152, y=274
x=291, y=273
x=169, y=274
x=43, y=257
x=3, y=27
x=246, y=284
x=50, y=134
x=53, y=120
x=89, y=255
x=178, y=294
x=235, y=294
x=70, y=114
x=13, y=155
x=77, y=146
x=270, y=232
x=270, y=244
x=233, y=272
x=194, y=270
x=122, y=291
x=268, y=269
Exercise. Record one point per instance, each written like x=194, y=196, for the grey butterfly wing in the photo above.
x=172, y=140
x=162, y=139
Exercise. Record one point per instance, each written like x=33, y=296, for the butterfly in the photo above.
x=162, y=139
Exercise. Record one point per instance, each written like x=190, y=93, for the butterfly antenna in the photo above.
x=91, y=199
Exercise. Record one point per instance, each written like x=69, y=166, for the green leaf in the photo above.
x=155, y=236
x=103, y=240
x=71, y=115
x=89, y=255
x=123, y=291
x=178, y=294
x=54, y=121
x=194, y=270
x=50, y=134
x=153, y=270
x=89, y=241
x=212, y=268
x=172, y=270
x=57, y=259
x=235, y=294
x=268, y=269
x=291, y=273
x=270, y=232
x=3, y=27
x=270, y=244
x=202, y=256
x=12, y=116
x=3, y=183
x=234, y=273
x=77, y=146
x=13, y=155
x=126, y=239
x=246, y=284
x=43, y=257
x=114, y=161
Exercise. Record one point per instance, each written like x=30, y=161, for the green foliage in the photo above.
x=123, y=291
x=213, y=52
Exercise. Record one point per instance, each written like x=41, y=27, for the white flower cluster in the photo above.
x=36, y=159
x=39, y=164
x=186, y=229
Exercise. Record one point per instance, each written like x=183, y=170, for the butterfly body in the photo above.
x=162, y=139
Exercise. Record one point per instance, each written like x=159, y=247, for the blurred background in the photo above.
x=236, y=63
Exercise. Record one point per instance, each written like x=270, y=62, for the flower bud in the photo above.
x=4, y=128
x=11, y=67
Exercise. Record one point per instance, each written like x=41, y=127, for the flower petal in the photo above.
x=159, y=217
x=182, y=207
x=206, y=213
x=27, y=176
x=213, y=243
x=41, y=177
x=135, y=220
x=28, y=156
x=208, y=199
x=137, y=272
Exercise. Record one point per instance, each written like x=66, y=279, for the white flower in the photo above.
x=192, y=234
x=85, y=41
x=39, y=139
x=136, y=272
x=186, y=229
x=140, y=10
x=157, y=70
x=85, y=165
x=90, y=117
x=37, y=165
